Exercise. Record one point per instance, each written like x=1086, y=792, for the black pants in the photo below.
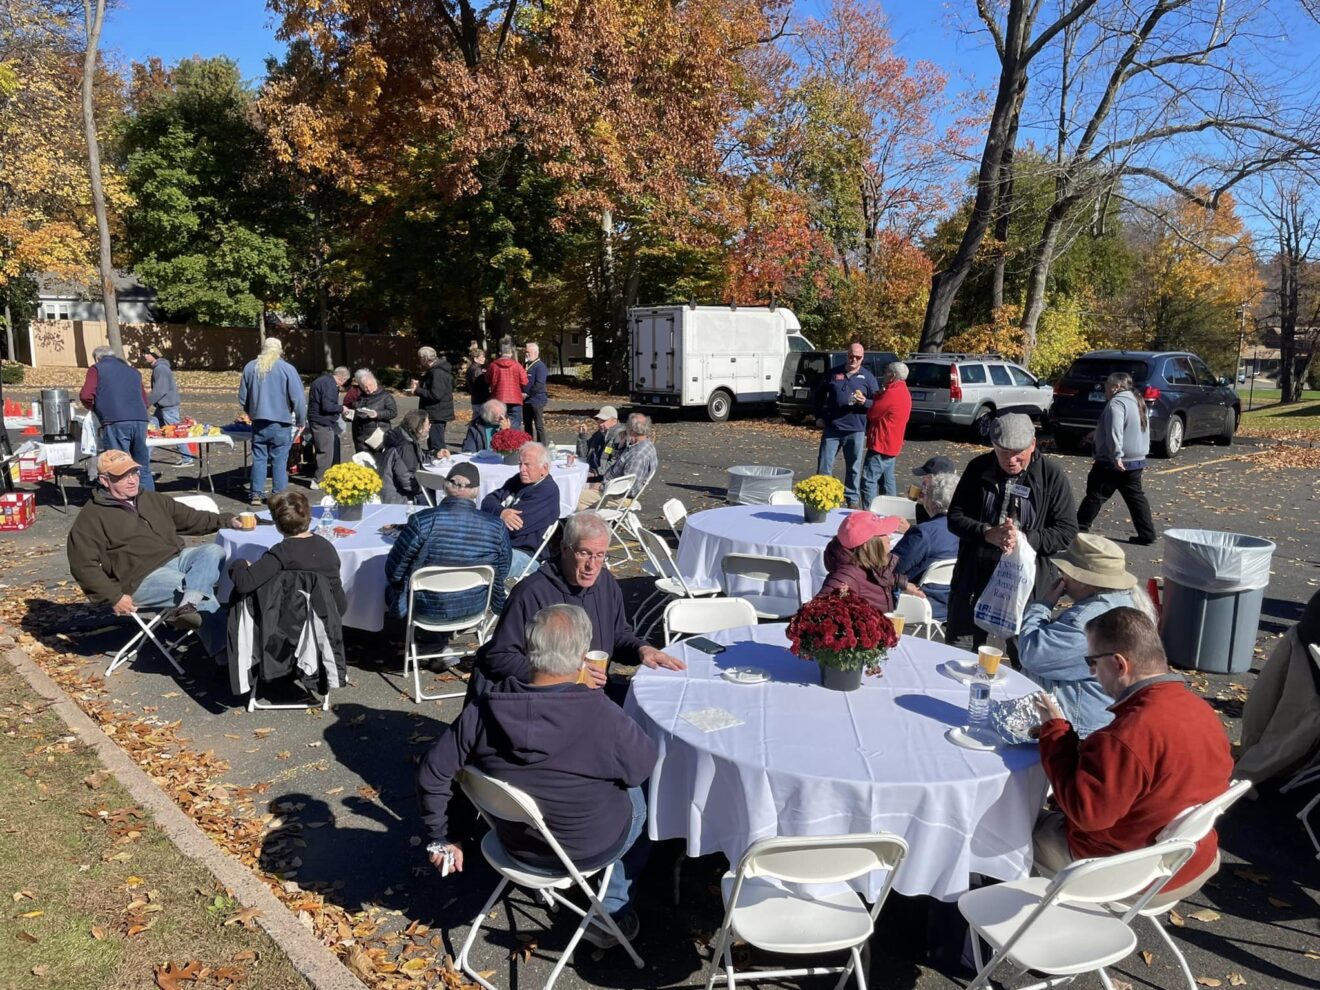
x=326, y=442
x=535, y=424
x=436, y=441
x=1101, y=483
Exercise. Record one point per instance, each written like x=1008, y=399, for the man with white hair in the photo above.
x=114, y=393
x=929, y=541
x=494, y=417
x=578, y=576
x=527, y=504
x=639, y=458
x=535, y=395
x=435, y=394
x=886, y=422
x=270, y=392
x=575, y=752
x=507, y=379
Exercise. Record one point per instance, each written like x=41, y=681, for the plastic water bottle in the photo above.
x=978, y=704
x=326, y=526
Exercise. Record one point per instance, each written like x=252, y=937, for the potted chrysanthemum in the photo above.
x=351, y=486
x=819, y=494
x=845, y=635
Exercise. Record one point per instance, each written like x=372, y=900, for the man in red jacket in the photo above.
x=885, y=422
x=1164, y=752
x=506, y=378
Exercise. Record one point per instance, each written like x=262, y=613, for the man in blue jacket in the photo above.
x=113, y=392
x=527, y=504
x=270, y=392
x=325, y=417
x=566, y=745
x=841, y=405
x=535, y=395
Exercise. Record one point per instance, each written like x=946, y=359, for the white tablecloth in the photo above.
x=494, y=473
x=810, y=761
x=361, y=559
x=776, y=530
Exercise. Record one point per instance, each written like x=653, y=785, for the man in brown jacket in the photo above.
x=125, y=550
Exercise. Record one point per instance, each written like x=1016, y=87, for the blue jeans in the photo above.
x=519, y=560
x=189, y=579
x=170, y=414
x=632, y=857
x=852, y=445
x=515, y=417
x=270, y=444
x=878, y=477
x=130, y=437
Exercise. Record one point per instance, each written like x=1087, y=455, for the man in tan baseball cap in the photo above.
x=126, y=550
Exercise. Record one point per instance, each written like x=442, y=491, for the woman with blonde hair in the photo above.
x=858, y=559
x=271, y=393
x=1122, y=442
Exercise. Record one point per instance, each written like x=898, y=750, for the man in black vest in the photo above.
x=114, y=392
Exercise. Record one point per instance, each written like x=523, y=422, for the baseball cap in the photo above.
x=860, y=527
x=607, y=412
x=115, y=463
x=936, y=465
x=467, y=473
x=1012, y=431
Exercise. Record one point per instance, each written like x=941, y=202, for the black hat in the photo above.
x=936, y=465
x=467, y=473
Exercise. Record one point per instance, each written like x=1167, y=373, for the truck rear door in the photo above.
x=655, y=353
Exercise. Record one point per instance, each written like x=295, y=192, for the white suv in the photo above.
x=969, y=389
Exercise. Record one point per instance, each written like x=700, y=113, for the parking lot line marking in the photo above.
x=1217, y=460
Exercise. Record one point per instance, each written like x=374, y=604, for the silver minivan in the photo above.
x=969, y=389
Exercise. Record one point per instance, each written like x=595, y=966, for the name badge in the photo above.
x=1021, y=491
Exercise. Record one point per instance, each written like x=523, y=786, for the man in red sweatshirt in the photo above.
x=1164, y=752
x=507, y=378
x=886, y=422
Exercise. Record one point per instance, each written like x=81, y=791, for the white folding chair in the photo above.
x=763, y=912
x=1194, y=824
x=148, y=624
x=768, y=570
x=365, y=459
x=432, y=486
x=917, y=614
x=699, y=616
x=939, y=573
x=613, y=507
x=203, y=503
x=894, y=505
x=444, y=581
x=784, y=497
x=669, y=582
x=1061, y=927
x=545, y=542
x=675, y=513
x=498, y=801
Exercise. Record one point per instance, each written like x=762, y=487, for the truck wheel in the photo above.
x=719, y=406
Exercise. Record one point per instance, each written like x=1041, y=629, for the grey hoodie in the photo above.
x=164, y=392
x=1119, y=436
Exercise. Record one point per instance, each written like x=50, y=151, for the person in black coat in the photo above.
x=435, y=394
x=324, y=416
x=402, y=457
x=1011, y=483
x=300, y=550
x=375, y=408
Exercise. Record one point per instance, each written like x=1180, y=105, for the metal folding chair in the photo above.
x=444, y=581
x=146, y=631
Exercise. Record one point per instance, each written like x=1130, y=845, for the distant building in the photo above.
x=58, y=299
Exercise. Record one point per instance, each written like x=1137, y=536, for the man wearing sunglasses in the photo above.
x=126, y=550
x=1119, y=787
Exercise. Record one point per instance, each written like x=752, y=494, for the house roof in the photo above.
x=127, y=288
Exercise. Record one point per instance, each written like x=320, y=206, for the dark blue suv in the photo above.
x=1186, y=401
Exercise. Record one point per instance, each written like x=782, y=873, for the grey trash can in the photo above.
x=1214, y=584
x=753, y=484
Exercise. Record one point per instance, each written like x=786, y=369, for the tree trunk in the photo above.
x=1041, y=260
x=1004, y=208
x=261, y=324
x=1288, y=304
x=9, y=332
x=94, y=17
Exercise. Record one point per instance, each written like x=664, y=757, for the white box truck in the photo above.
x=712, y=356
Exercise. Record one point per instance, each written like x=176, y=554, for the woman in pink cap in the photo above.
x=858, y=560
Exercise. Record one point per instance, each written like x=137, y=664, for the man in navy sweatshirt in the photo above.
x=577, y=577
x=841, y=405
x=527, y=504
x=570, y=748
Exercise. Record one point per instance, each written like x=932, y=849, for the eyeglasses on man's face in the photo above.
x=585, y=555
x=1094, y=658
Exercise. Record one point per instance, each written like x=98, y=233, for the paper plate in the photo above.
x=745, y=675
x=960, y=735
x=966, y=673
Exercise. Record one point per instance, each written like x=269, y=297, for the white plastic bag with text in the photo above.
x=1000, y=607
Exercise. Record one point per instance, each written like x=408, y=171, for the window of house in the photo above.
x=575, y=338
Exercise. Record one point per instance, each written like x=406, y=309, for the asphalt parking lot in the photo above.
x=341, y=781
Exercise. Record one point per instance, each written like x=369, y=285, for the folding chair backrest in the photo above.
x=939, y=573
x=675, y=513
x=450, y=580
x=823, y=858
x=914, y=609
x=894, y=505
x=203, y=503
x=1314, y=649
x=1196, y=822
x=698, y=616
x=365, y=459
x=616, y=490
x=784, y=497
x=540, y=549
x=496, y=799
x=1122, y=877
x=429, y=482
x=658, y=551
x=758, y=567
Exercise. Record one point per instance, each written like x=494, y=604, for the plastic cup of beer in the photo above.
x=987, y=659
x=914, y=493
x=247, y=520
x=598, y=659
x=895, y=619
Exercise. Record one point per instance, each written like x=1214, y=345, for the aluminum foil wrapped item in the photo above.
x=1014, y=719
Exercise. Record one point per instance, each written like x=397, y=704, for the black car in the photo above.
x=805, y=372
x=1186, y=401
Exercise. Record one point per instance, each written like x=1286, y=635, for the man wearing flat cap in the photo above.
x=1010, y=489
x=126, y=550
